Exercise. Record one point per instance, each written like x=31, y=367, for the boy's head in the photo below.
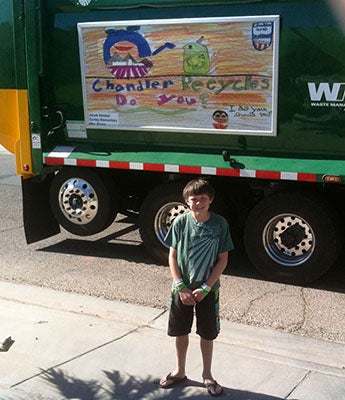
x=197, y=187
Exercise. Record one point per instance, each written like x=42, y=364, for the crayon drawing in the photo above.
x=209, y=75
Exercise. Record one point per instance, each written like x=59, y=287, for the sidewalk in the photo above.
x=3, y=150
x=70, y=346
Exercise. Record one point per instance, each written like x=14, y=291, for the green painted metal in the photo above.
x=312, y=45
x=122, y=4
x=33, y=47
x=12, y=70
x=7, y=76
x=245, y=163
x=215, y=161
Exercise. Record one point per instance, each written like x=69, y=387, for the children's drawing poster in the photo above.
x=210, y=75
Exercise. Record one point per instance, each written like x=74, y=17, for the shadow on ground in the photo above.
x=118, y=245
x=120, y=386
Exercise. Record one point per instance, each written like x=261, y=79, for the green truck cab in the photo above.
x=111, y=106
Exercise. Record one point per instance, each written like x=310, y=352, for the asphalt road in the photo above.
x=115, y=265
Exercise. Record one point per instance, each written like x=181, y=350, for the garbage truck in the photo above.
x=111, y=106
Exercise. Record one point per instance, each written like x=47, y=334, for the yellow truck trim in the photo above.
x=15, y=128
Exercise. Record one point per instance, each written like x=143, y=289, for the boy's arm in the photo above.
x=221, y=264
x=219, y=268
x=186, y=295
x=174, y=269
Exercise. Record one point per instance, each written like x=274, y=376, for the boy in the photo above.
x=199, y=243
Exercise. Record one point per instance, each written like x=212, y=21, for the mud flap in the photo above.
x=39, y=221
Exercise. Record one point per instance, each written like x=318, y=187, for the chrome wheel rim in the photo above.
x=78, y=201
x=289, y=240
x=165, y=217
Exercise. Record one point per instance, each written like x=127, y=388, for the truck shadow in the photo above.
x=124, y=243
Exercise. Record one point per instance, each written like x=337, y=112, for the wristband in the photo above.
x=179, y=285
x=205, y=289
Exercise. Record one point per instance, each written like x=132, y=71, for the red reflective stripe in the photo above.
x=227, y=172
x=268, y=174
x=186, y=169
x=183, y=169
x=306, y=177
x=119, y=164
x=153, y=167
x=55, y=161
x=86, y=163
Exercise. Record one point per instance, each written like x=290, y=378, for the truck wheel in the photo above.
x=82, y=201
x=157, y=213
x=292, y=238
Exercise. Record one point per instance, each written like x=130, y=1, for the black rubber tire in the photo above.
x=152, y=210
x=106, y=209
x=324, y=245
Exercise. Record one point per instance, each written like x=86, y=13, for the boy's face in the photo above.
x=199, y=204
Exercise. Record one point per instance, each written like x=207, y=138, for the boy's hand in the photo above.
x=187, y=297
x=198, y=295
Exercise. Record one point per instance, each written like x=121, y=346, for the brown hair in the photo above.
x=198, y=186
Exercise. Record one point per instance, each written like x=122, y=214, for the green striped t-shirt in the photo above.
x=198, y=245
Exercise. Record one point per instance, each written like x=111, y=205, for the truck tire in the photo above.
x=82, y=201
x=292, y=238
x=158, y=211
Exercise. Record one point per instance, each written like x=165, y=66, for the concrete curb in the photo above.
x=303, y=352
x=70, y=345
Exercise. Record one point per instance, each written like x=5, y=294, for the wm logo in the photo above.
x=327, y=91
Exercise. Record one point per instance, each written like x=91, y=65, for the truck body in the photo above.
x=112, y=106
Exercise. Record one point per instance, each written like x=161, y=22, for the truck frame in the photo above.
x=111, y=106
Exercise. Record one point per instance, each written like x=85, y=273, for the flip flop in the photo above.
x=169, y=381
x=213, y=388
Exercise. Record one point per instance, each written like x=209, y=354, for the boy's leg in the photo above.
x=181, y=343
x=179, y=374
x=208, y=329
x=207, y=353
x=213, y=388
x=180, y=323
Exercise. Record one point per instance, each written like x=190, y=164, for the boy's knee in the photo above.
x=208, y=336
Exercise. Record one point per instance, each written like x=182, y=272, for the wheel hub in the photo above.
x=78, y=201
x=75, y=202
x=165, y=217
x=292, y=236
x=288, y=240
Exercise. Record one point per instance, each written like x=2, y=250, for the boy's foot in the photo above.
x=169, y=380
x=213, y=388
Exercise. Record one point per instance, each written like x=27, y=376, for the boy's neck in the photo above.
x=201, y=217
